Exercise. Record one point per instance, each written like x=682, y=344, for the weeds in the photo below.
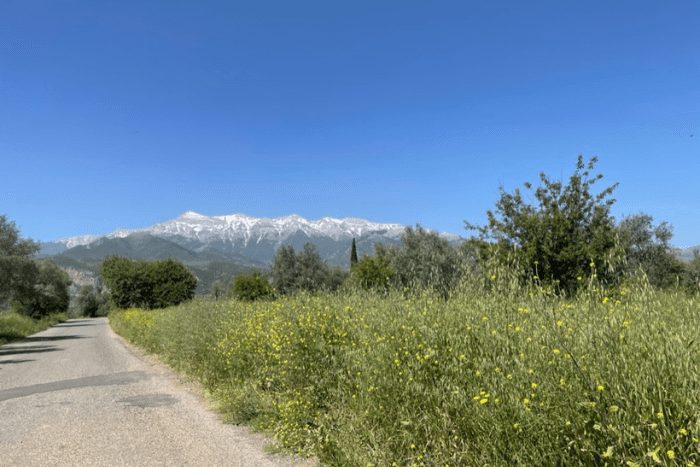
x=484, y=378
x=14, y=326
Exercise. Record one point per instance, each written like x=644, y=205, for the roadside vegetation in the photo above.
x=14, y=326
x=554, y=336
x=492, y=376
x=33, y=294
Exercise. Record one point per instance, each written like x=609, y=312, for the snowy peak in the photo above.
x=242, y=229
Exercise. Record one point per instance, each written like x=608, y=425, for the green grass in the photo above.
x=485, y=378
x=14, y=326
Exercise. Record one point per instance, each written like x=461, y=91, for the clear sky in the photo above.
x=127, y=113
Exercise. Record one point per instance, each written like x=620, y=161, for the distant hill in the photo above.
x=218, y=247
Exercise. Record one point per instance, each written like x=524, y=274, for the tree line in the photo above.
x=561, y=238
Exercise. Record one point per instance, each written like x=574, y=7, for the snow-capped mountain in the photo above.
x=218, y=247
x=241, y=230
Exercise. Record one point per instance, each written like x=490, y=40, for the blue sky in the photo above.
x=123, y=114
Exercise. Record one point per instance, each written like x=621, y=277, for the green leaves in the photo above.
x=148, y=284
x=565, y=233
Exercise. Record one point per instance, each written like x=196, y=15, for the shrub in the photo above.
x=147, y=284
x=48, y=292
x=373, y=272
x=304, y=271
x=250, y=287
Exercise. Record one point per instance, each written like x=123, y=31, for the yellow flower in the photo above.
x=608, y=452
x=683, y=431
x=600, y=387
x=533, y=385
x=483, y=401
x=670, y=454
x=660, y=415
x=556, y=351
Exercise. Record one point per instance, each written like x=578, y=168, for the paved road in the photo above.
x=76, y=395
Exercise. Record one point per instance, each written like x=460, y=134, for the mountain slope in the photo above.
x=234, y=237
x=218, y=247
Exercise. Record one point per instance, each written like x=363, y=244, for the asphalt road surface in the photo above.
x=76, y=395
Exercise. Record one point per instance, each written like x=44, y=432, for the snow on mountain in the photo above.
x=240, y=229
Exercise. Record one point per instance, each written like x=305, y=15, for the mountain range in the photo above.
x=218, y=247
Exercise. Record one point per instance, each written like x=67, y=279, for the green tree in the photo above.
x=251, y=287
x=566, y=234
x=312, y=271
x=49, y=292
x=284, y=270
x=373, y=272
x=353, y=254
x=147, y=284
x=17, y=269
x=306, y=270
x=425, y=260
x=647, y=248
x=88, y=302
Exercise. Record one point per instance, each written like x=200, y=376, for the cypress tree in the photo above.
x=353, y=254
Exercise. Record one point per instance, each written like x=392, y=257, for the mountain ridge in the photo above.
x=217, y=246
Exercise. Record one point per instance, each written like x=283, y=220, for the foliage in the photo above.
x=567, y=234
x=47, y=292
x=148, y=284
x=373, y=273
x=14, y=326
x=250, y=287
x=491, y=376
x=425, y=260
x=17, y=270
x=353, y=254
x=647, y=249
x=293, y=272
x=90, y=302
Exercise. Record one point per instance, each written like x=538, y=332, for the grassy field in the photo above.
x=486, y=378
x=14, y=326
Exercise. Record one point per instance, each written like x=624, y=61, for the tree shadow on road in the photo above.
x=27, y=349
x=13, y=362
x=52, y=338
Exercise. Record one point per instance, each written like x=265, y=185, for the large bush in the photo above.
x=147, y=284
x=250, y=287
x=48, y=293
x=567, y=233
x=293, y=272
x=373, y=273
x=424, y=261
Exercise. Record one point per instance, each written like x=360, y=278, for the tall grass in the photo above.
x=14, y=326
x=500, y=377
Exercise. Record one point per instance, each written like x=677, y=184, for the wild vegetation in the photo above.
x=27, y=286
x=14, y=326
x=496, y=375
x=148, y=284
x=555, y=337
